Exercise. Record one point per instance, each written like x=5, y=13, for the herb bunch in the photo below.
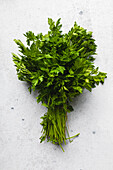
x=59, y=66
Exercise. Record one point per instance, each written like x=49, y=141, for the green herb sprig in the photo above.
x=59, y=66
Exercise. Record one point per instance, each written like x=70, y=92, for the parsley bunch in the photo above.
x=59, y=66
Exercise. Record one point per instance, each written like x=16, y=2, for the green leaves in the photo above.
x=30, y=37
x=78, y=88
x=51, y=23
x=59, y=66
x=20, y=45
x=57, y=70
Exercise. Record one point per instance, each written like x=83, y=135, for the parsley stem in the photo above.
x=73, y=136
x=61, y=147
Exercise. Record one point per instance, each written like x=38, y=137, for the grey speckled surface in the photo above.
x=20, y=129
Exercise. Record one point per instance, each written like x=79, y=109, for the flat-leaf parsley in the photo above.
x=59, y=66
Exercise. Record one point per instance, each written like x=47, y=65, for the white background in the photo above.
x=20, y=128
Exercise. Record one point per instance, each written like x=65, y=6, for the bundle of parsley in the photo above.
x=59, y=66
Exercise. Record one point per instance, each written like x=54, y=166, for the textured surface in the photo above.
x=20, y=129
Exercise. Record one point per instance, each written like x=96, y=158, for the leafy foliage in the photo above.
x=60, y=66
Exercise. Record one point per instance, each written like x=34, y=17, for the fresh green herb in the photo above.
x=59, y=66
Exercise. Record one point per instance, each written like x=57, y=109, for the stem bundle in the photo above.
x=54, y=126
